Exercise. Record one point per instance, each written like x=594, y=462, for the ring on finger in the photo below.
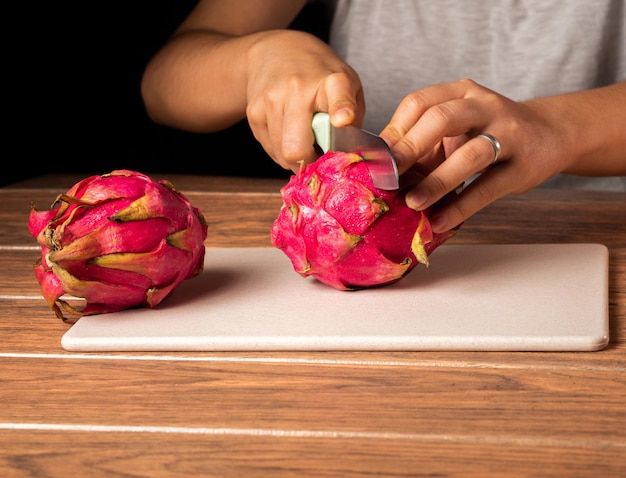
x=495, y=144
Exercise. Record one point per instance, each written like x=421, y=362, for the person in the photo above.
x=501, y=95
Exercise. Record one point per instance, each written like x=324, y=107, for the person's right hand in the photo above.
x=290, y=76
x=229, y=60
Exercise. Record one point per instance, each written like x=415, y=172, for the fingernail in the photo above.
x=415, y=199
x=343, y=117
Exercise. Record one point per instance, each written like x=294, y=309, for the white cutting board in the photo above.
x=551, y=297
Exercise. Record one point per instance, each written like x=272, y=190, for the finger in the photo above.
x=485, y=189
x=337, y=95
x=427, y=116
x=467, y=116
x=414, y=105
x=297, y=142
x=258, y=122
x=471, y=158
x=342, y=96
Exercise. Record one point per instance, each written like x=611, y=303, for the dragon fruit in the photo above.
x=334, y=225
x=118, y=241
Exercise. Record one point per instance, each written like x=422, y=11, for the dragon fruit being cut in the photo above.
x=337, y=227
x=118, y=241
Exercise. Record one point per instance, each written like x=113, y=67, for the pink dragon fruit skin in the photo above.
x=337, y=227
x=118, y=240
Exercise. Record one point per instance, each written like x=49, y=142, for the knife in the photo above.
x=374, y=150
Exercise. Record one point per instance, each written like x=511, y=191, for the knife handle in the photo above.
x=322, y=130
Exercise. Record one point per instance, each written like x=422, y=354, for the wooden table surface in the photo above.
x=316, y=414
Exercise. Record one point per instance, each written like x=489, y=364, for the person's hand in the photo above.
x=439, y=128
x=230, y=60
x=291, y=76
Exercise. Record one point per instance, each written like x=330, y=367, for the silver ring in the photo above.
x=495, y=144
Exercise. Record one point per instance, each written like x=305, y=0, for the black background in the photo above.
x=72, y=73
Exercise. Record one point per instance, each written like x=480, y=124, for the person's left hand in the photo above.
x=438, y=128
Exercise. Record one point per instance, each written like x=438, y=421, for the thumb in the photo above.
x=344, y=98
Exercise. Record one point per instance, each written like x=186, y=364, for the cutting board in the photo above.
x=523, y=297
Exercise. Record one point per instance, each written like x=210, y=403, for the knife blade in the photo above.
x=380, y=162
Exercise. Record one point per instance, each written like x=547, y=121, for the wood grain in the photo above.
x=223, y=455
x=293, y=396
x=540, y=216
x=343, y=414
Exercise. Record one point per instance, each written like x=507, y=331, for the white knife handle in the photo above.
x=321, y=130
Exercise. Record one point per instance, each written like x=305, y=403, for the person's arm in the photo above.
x=233, y=60
x=198, y=80
x=593, y=124
x=438, y=128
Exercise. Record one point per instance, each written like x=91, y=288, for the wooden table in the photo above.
x=316, y=414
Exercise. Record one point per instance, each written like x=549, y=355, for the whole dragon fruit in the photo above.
x=118, y=241
x=337, y=227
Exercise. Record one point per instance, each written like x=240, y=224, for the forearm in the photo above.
x=592, y=125
x=197, y=82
